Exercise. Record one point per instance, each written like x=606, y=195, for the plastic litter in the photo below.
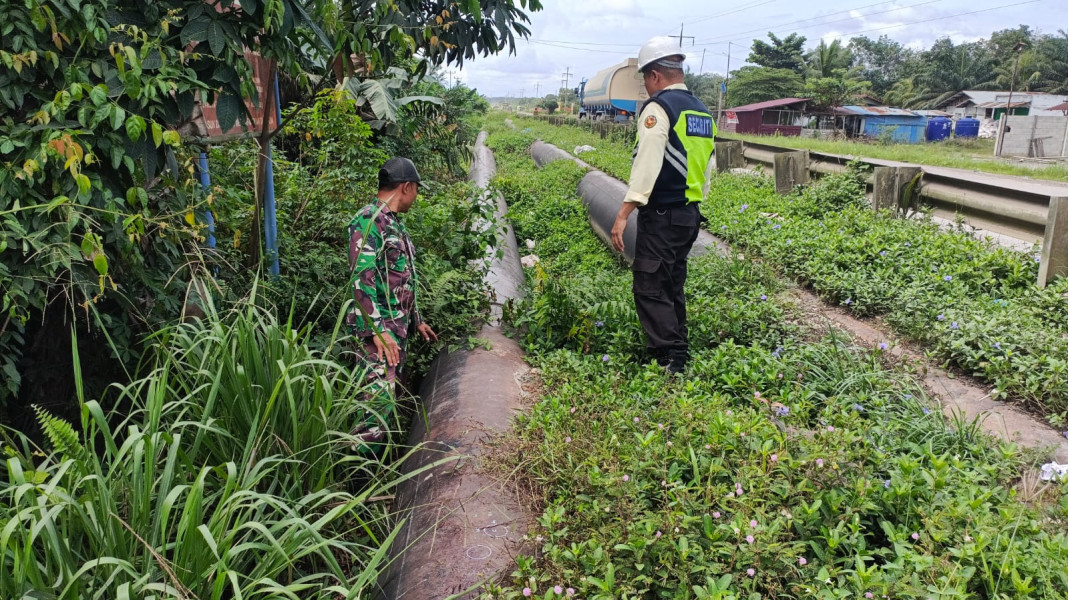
x=584, y=148
x=529, y=260
x=1053, y=471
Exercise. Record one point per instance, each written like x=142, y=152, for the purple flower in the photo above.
x=947, y=278
x=926, y=411
x=774, y=458
x=763, y=297
x=599, y=324
x=915, y=536
x=954, y=325
x=886, y=483
x=567, y=440
x=572, y=410
x=907, y=244
x=858, y=408
x=882, y=253
x=848, y=301
x=660, y=426
x=527, y=592
x=750, y=539
x=570, y=591
x=819, y=462
x=776, y=226
x=782, y=411
x=716, y=515
x=636, y=419
x=604, y=358
x=753, y=523
x=723, y=227
x=777, y=352
x=830, y=428
x=1066, y=434
x=626, y=478
x=558, y=590
x=868, y=595
x=941, y=317
x=802, y=561
x=658, y=534
x=750, y=571
x=1038, y=258
x=883, y=345
x=997, y=345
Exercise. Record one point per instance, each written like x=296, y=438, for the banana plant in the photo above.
x=376, y=98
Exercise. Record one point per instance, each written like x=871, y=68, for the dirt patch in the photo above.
x=956, y=393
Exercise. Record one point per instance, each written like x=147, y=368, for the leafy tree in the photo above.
x=785, y=53
x=757, y=84
x=705, y=86
x=549, y=104
x=837, y=90
x=96, y=206
x=825, y=59
x=883, y=62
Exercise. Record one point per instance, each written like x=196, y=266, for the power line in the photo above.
x=731, y=12
x=721, y=39
x=963, y=14
x=582, y=49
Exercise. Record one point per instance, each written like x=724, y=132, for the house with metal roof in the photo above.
x=774, y=117
x=983, y=104
x=903, y=126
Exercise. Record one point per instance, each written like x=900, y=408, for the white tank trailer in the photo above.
x=613, y=94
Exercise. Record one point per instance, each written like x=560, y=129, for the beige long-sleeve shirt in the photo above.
x=653, y=130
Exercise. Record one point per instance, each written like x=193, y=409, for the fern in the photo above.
x=60, y=434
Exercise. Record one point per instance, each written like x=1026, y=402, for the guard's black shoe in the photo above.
x=677, y=360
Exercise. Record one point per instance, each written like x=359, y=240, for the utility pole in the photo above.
x=703, y=50
x=536, y=85
x=727, y=80
x=680, y=36
x=565, y=78
x=1004, y=122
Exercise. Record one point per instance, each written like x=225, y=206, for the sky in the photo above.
x=581, y=37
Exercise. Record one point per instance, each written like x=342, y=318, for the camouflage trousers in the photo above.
x=380, y=393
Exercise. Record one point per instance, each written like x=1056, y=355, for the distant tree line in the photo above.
x=833, y=74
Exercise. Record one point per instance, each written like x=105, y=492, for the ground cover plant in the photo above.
x=972, y=303
x=786, y=464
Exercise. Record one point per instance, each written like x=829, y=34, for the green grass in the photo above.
x=832, y=460
x=976, y=155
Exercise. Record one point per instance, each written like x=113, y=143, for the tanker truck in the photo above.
x=613, y=94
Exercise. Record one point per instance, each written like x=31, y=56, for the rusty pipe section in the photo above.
x=603, y=195
x=463, y=522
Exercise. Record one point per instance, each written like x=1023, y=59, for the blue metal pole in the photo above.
x=205, y=182
x=270, y=222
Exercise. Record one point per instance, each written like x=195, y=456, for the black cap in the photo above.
x=397, y=170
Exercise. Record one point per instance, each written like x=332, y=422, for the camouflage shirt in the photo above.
x=383, y=279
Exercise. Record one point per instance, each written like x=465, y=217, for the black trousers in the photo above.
x=664, y=239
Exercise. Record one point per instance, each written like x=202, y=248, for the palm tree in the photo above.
x=826, y=58
x=1052, y=65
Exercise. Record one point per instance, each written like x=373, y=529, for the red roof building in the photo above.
x=774, y=117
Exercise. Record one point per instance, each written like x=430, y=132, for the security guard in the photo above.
x=668, y=179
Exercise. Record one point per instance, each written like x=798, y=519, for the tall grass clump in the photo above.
x=224, y=471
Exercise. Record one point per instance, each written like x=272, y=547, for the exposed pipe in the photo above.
x=464, y=524
x=603, y=195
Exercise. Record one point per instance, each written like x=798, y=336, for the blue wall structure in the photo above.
x=905, y=129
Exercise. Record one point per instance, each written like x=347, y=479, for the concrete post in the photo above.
x=884, y=194
x=1055, y=243
x=890, y=186
x=791, y=170
x=729, y=155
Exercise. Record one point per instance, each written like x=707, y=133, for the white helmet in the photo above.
x=658, y=48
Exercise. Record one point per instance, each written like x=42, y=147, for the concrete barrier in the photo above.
x=463, y=524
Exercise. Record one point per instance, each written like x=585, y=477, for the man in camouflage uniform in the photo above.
x=384, y=288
